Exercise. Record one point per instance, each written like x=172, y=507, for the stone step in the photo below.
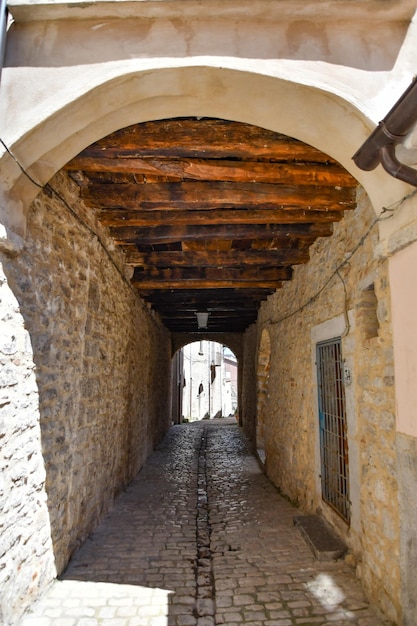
x=320, y=537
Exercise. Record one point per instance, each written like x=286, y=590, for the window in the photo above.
x=332, y=423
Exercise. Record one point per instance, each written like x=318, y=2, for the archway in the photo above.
x=206, y=381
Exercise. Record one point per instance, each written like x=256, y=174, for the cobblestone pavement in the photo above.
x=201, y=538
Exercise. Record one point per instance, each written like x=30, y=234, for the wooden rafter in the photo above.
x=243, y=215
x=231, y=258
x=214, y=195
x=168, y=233
x=219, y=170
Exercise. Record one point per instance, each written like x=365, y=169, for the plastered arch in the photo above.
x=311, y=114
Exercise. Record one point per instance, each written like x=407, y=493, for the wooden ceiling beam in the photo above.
x=234, y=258
x=212, y=274
x=212, y=307
x=190, y=296
x=198, y=195
x=215, y=329
x=212, y=137
x=181, y=315
x=206, y=299
x=120, y=217
x=219, y=170
x=236, y=313
x=168, y=233
x=198, y=283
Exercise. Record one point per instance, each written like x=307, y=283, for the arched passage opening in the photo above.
x=120, y=347
x=205, y=375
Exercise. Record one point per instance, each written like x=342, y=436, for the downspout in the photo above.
x=380, y=146
x=3, y=29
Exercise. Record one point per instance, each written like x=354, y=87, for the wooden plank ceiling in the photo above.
x=211, y=214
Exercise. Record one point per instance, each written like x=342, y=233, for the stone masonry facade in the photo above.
x=92, y=400
x=347, y=280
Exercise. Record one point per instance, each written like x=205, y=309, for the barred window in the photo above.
x=332, y=423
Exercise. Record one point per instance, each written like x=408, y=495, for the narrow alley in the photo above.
x=201, y=537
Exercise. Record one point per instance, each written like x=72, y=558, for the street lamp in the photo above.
x=202, y=319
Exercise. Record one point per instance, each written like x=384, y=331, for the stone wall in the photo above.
x=92, y=399
x=247, y=386
x=26, y=555
x=352, y=302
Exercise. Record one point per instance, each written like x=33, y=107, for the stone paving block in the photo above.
x=206, y=621
x=242, y=599
x=106, y=611
x=120, y=602
x=37, y=619
x=226, y=618
x=252, y=582
x=186, y=620
x=254, y=615
x=126, y=611
x=310, y=621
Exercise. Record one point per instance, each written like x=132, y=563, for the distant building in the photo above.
x=210, y=381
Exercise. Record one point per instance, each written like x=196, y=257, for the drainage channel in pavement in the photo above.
x=205, y=602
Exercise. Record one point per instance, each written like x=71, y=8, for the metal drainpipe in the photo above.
x=3, y=29
x=379, y=148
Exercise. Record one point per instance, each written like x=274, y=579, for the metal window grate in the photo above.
x=333, y=435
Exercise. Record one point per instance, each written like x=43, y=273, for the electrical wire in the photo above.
x=345, y=308
x=20, y=166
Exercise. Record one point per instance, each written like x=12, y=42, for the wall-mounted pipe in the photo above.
x=3, y=29
x=380, y=146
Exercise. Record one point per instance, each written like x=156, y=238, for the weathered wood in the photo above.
x=219, y=170
x=216, y=329
x=199, y=195
x=197, y=283
x=119, y=217
x=233, y=258
x=218, y=307
x=219, y=315
x=212, y=137
x=217, y=245
x=165, y=234
x=213, y=274
x=230, y=318
x=177, y=313
x=210, y=299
